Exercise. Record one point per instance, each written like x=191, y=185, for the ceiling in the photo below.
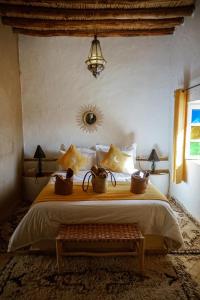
x=89, y=17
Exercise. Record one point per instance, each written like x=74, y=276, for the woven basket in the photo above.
x=99, y=184
x=138, y=184
x=63, y=186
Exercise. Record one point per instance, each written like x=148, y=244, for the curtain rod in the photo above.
x=191, y=87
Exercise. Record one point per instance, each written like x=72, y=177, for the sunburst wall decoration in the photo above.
x=89, y=118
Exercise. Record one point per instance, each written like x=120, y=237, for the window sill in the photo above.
x=194, y=161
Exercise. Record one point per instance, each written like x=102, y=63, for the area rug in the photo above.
x=190, y=229
x=87, y=278
x=8, y=226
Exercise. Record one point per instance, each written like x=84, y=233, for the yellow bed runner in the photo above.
x=120, y=192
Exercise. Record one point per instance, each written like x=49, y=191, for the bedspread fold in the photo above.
x=120, y=192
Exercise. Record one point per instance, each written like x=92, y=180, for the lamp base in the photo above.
x=39, y=173
x=153, y=167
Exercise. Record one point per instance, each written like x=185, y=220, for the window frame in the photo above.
x=191, y=106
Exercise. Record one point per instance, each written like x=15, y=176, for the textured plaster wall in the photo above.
x=132, y=92
x=10, y=122
x=186, y=53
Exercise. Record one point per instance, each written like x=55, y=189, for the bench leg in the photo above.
x=141, y=255
x=58, y=254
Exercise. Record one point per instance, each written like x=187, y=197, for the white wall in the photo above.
x=132, y=92
x=10, y=122
x=186, y=53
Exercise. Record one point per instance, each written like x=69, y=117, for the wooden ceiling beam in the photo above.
x=104, y=17
x=91, y=4
x=94, y=25
x=81, y=33
x=89, y=14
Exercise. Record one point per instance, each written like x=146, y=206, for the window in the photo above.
x=193, y=131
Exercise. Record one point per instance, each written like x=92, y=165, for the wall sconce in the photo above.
x=95, y=61
x=39, y=154
x=153, y=157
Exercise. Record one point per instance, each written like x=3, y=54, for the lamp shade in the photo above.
x=39, y=153
x=153, y=156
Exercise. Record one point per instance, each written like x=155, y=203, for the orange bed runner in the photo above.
x=120, y=192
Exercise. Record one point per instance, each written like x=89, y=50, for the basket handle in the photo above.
x=57, y=177
x=91, y=174
x=112, y=177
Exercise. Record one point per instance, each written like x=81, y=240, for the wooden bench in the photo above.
x=89, y=233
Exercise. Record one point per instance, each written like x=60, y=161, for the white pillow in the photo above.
x=100, y=152
x=91, y=157
x=130, y=150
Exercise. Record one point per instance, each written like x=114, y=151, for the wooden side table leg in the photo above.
x=141, y=255
x=58, y=254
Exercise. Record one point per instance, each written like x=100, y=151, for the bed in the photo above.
x=39, y=226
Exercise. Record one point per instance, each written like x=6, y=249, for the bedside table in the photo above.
x=33, y=185
x=161, y=181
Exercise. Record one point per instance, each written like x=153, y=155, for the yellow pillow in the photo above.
x=72, y=159
x=115, y=160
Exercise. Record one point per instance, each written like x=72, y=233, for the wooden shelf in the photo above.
x=145, y=159
x=43, y=160
x=55, y=159
x=159, y=171
x=44, y=174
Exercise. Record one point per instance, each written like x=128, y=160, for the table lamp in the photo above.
x=39, y=154
x=153, y=157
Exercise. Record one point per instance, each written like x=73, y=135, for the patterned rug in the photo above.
x=190, y=229
x=88, y=278
x=8, y=227
x=175, y=276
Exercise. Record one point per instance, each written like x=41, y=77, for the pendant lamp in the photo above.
x=95, y=61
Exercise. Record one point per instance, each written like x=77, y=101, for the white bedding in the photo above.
x=43, y=219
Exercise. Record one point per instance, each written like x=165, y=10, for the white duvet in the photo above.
x=43, y=219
